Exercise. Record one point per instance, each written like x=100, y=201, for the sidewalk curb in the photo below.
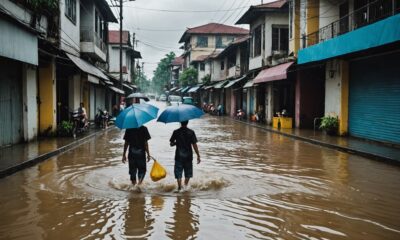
x=45, y=156
x=325, y=144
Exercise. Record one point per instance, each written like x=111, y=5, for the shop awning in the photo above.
x=250, y=83
x=179, y=89
x=173, y=89
x=127, y=86
x=220, y=84
x=278, y=72
x=107, y=82
x=117, y=90
x=233, y=82
x=185, y=89
x=194, y=89
x=93, y=79
x=87, y=67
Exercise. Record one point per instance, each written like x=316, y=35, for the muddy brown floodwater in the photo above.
x=251, y=184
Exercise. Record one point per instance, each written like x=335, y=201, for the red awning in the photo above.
x=278, y=72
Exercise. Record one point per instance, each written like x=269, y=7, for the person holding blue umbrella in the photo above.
x=136, y=138
x=184, y=139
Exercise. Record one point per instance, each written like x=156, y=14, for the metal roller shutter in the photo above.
x=374, y=98
x=10, y=102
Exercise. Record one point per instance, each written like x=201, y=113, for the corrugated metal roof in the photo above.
x=87, y=67
x=214, y=28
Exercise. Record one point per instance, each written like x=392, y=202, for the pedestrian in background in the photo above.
x=184, y=139
x=136, y=139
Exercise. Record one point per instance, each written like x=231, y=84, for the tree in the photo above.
x=188, y=77
x=142, y=82
x=206, y=79
x=162, y=74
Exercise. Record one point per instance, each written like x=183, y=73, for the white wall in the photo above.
x=303, y=20
x=70, y=32
x=30, y=107
x=332, y=87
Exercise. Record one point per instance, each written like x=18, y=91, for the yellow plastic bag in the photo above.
x=157, y=172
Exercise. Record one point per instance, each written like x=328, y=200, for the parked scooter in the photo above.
x=79, y=121
x=102, y=118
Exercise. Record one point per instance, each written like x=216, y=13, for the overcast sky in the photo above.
x=159, y=24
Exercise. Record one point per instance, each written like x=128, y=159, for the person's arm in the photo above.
x=124, y=154
x=172, y=141
x=146, y=147
x=196, y=149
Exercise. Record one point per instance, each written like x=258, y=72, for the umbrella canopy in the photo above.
x=139, y=95
x=136, y=115
x=180, y=113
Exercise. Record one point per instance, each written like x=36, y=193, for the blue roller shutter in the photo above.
x=374, y=98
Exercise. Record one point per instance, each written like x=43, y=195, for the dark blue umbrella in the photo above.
x=136, y=115
x=180, y=113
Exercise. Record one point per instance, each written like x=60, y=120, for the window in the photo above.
x=202, y=66
x=70, y=10
x=96, y=20
x=202, y=41
x=222, y=65
x=257, y=41
x=219, y=43
x=280, y=38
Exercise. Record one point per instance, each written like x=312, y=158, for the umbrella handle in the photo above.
x=153, y=158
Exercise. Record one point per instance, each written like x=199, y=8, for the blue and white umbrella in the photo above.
x=180, y=113
x=136, y=115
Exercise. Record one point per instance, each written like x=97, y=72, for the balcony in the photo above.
x=363, y=16
x=373, y=25
x=92, y=44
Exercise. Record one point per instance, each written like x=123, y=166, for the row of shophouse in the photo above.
x=306, y=59
x=52, y=58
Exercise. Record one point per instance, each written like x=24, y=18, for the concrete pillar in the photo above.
x=74, y=91
x=344, y=99
x=30, y=108
x=269, y=104
x=47, y=97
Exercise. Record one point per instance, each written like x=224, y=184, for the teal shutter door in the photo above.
x=374, y=98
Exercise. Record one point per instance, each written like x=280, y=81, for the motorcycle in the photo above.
x=102, y=118
x=79, y=121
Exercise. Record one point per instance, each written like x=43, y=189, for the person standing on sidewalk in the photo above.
x=137, y=141
x=184, y=139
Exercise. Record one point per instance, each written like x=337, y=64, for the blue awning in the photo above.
x=233, y=82
x=377, y=34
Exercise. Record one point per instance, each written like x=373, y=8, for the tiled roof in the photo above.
x=113, y=36
x=255, y=11
x=177, y=61
x=201, y=58
x=214, y=28
x=276, y=4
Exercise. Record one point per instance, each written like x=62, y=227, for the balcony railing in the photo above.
x=88, y=35
x=365, y=15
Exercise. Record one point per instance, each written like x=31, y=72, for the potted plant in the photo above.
x=329, y=124
x=65, y=129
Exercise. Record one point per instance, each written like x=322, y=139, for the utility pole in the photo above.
x=120, y=43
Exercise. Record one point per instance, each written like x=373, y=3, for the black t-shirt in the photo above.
x=137, y=137
x=183, y=138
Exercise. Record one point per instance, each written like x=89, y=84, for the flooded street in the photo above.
x=251, y=184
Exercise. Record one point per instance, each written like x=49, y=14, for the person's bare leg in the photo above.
x=179, y=181
x=186, y=181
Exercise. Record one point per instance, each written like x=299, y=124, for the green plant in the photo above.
x=65, y=128
x=330, y=124
x=188, y=77
x=206, y=79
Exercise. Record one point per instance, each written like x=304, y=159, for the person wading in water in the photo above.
x=136, y=139
x=184, y=139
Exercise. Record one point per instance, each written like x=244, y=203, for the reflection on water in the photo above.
x=251, y=184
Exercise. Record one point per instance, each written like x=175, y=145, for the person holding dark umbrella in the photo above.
x=184, y=139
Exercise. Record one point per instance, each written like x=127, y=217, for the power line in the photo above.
x=185, y=11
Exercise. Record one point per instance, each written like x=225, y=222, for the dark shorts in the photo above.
x=183, y=166
x=137, y=167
